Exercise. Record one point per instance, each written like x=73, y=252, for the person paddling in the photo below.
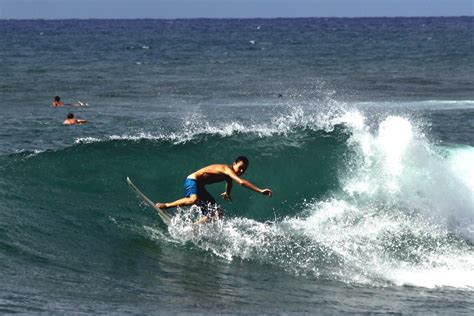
x=71, y=120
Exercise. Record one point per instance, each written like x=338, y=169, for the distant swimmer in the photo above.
x=195, y=192
x=57, y=101
x=70, y=120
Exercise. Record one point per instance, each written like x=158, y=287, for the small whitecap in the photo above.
x=86, y=140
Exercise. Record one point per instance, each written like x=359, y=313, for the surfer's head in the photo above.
x=240, y=165
x=57, y=98
x=70, y=116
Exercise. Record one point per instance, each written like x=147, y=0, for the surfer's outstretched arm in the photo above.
x=252, y=187
x=246, y=183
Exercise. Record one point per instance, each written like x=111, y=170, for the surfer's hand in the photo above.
x=267, y=192
x=226, y=196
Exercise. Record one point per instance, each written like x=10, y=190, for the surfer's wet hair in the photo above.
x=243, y=159
x=70, y=116
x=57, y=98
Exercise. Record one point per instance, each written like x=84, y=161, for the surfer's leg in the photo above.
x=206, y=197
x=210, y=210
x=202, y=220
x=190, y=195
x=193, y=199
x=211, y=214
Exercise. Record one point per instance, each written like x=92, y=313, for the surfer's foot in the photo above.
x=202, y=220
x=161, y=206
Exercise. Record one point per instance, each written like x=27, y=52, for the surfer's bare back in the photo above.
x=195, y=192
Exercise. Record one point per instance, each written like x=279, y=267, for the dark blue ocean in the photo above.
x=363, y=128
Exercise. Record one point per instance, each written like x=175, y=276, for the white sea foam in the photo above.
x=136, y=137
x=87, y=140
x=404, y=202
x=461, y=161
x=30, y=153
x=423, y=104
x=377, y=246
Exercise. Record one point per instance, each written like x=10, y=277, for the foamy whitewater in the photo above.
x=362, y=128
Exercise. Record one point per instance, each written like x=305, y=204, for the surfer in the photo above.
x=195, y=192
x=70, y=120
x=57, y=101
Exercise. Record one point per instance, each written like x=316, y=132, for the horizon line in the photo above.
x=246, y=18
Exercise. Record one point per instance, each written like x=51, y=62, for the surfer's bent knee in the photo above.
x=193, y=199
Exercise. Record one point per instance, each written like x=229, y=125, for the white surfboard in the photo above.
x=164, y=217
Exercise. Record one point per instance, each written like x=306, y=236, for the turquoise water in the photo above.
x=363, y=129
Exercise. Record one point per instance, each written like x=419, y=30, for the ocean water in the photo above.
x=363, y=129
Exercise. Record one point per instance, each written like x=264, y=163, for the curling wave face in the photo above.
x=355, y=202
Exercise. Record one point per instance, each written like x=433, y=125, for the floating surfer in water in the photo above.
x=57, y=101
x=195, y=192
x=71, y=120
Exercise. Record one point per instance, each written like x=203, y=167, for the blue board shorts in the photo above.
x=190, y=187
x=206, y=202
